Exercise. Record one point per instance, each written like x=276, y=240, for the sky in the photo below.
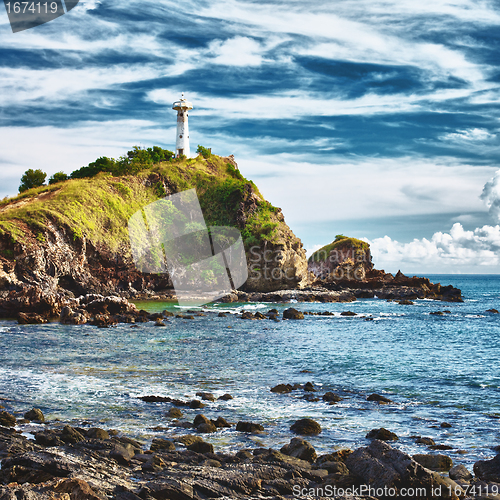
x=370, y=118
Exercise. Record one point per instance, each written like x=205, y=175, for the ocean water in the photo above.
x=435, y=369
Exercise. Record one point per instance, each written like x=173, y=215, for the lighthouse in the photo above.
x=182, y=141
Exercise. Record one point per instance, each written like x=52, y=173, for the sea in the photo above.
x=435, y=369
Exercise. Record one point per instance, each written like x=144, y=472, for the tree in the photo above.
x=58, y=177
x=32, y=178
x=205, y=152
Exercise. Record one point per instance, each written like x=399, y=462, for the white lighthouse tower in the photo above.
x=182, y=141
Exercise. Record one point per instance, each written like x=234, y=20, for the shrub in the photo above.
x=32, y=178
x=205, y=152
x=58, y=177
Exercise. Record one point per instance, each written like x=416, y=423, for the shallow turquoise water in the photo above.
x=435, y=368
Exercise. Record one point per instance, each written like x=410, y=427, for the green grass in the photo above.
x=340, y=243
x=98, y=208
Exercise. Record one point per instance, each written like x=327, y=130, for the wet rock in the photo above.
x=460, y=472
x=188, y=439
x=382, y=435
x=168, y=314
x=155, y=399
x=174, y=413
x=282, y=388
x=71, y=435
x=348, y=313
x=331, y=397
x=97, y=433
x=309, y=387
x=445, y=425
x=221, y=315
x=441, y=447
x=406, y=302
x=162, y=444
x=200, y=419
x=247, y=315
x=159, y=322
x=71, y=316
x=196, y=404
x=206, y=428
x=34, y=415
x=249, y=427
x=426, y=440
x=225, y=397
x=493, y=311
x=201, y=447
x=299, y=448
x=381, y=466
x=292, y=313
x=259, y=315
x=440, y=463
x=206, y=396
x=6, y=419
x=488, y=470
x=306, y=426
x=221, y=422
x=378, y=398
x=31, y=319
x=437, y=313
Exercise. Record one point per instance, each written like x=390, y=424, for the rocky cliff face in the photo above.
x=71, y=238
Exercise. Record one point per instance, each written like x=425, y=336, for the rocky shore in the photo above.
x=52, y=460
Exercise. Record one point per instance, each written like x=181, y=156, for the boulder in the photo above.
x=292, y=313
x=201, y=447
x=174, y=413
x=382, y=435
x=188, y=439
x=299, y=448
x=97, y=433
x=70, y=435
x=206, y=396
x=7, y=420
x=31, y=319
x=331, y=397
x=335, y=468
x=440, y=463
x=200, y=419
x=34, y=415
x=221, y=422
x=309, y=387
x=378, y=398
x=282, y=388
x=426, y=440
x=78, y=489
x=225, y=397
x=162, y=444
x=348, y=313
x=460, y=472
x=381, y=466
x=195, y=404
x=306, y=426
x=249, y=427
x=206, y=428
x=488, y=470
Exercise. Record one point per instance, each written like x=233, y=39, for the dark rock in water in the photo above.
x=282, y=388
x=381, y=466
x=247, y=315
x=154, y=316
x=378, y=398
x=7, y=420
x=306, y=426
x=159, y=322
x=225, y=397
x=382, y=435
x=460, y=472
x=437, y=313
x=200, y=419
x=493, y=311
x=168, y=314
x=206, y=396
x=406, y=302
x=445, y=425
x=221, y=422
x=34, y=415
x=162, y=444
x=196, y=403
x=201, y=447
x=206, y=428
x=97, y=433
x=440, y=447
x=292, y=313
x=308, y=386
x=31, y=319
x=259, y=315
x=174, y=413
x=103, y=321
x=331, y=397
x=248, y=427
x=156, y=399
x=299, y=448
x=426, y=440
x=348, y=313
x=488, y=470
x=439, y=463
x=310, y=397
x=221, y=315
x=70, y=316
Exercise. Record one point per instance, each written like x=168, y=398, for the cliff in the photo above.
x=71, y=238
x=346, y=264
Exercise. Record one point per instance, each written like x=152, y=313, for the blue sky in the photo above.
x=376, y=119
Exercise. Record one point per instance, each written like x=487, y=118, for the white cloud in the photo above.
x=469, y=135
x=237, y=51
x=458, y=250
x=491, y=195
